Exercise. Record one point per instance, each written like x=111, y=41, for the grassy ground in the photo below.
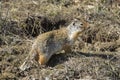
x=96, y=54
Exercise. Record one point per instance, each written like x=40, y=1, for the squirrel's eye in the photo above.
x=81, y=24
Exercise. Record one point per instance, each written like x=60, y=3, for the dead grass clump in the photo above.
x=35, y=25
x=103, y=33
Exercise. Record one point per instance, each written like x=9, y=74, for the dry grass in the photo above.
x=95, y=55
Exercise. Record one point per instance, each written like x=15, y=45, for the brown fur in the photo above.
x=47, y=44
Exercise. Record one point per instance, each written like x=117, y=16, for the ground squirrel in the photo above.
x=47, y=44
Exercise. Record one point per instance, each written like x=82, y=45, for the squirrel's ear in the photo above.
x=75, y=20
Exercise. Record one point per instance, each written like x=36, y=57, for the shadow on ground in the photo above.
x=61, y=58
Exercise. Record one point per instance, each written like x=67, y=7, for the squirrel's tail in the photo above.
x=28, y=61
x=26, y=64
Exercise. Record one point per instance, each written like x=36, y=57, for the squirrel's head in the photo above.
x=77, y=25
